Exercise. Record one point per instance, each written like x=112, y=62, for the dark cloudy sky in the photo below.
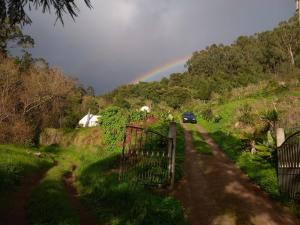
x=119, y=40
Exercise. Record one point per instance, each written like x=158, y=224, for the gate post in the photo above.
x=172, y=153
x=280, y=136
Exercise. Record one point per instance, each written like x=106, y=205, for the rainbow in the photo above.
x=158, y=71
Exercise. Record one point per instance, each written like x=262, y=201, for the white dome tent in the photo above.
x=145, y=109
x=89, y=120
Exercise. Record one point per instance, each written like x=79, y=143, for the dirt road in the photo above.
x=214, y=192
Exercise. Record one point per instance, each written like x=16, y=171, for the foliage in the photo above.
x=207, y=114
x=27, y=94
x=15, y=10
x=16, y=163
x=113, y=121
x=246, y=116
x=121, y=203
x=176, y=96
x=180, y=144
x=261, y=171
x=11, y=34
x=271, y=116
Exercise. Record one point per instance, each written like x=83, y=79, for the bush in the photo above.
x=207, y=114
x=271, y=116
x=113, y=121
x=217, y=119
x=246, y=116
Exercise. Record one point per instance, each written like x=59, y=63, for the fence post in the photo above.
x=172, y=153
x=280, y=136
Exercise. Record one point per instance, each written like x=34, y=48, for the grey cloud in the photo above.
x=120, y=39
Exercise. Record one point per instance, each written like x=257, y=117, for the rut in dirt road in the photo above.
x=85, y=216
x=214, y=192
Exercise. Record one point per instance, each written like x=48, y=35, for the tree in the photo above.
x=13, y=35
x=15, y=10
x=288, y=35
x=90, y=91
x=176, y=96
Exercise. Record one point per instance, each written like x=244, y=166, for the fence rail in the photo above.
x=146, y=157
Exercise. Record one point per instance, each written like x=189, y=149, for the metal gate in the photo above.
x=146, y=157
x=288, y=156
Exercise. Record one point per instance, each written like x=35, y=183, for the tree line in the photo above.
x=220, y=68
x=34, y=96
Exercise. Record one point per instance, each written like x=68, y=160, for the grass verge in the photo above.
x=16, y=163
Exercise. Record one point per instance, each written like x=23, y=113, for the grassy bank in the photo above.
x=16, y=163
x=230, y=131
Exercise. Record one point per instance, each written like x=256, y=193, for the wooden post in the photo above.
x=172, y=153
x=280, y=136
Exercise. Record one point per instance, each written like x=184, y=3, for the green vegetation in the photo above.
x=49, y=203
x=16, y=11
x=247, y=124
x=179, y=152
x=123, y=203
x=18, y=162
x=112, y=201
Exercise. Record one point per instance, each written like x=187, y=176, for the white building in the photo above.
x=89, y=120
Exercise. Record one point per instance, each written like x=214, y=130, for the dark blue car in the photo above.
x=189, y=117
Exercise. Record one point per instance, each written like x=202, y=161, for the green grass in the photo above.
x=16, y=163
x=198, y=143
x=121, y=203
x=49, y=204
x=112, y=201
x=179, y=151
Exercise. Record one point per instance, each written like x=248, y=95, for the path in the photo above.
x=14, y=213
x=214, y=192
x=85, y=216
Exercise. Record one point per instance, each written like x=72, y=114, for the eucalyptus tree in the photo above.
x=14, y=14
x=16, y=11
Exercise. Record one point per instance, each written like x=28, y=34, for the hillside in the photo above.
x=270, y=55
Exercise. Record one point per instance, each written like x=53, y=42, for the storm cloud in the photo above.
x=119, y=40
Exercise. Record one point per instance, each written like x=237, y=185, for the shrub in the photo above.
x=207, y=114
x=271, y=116
x=246, y=116
x=217, y=118
x=113, y=121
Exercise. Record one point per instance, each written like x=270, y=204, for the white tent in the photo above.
x=145, y=109
x=89, y=120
